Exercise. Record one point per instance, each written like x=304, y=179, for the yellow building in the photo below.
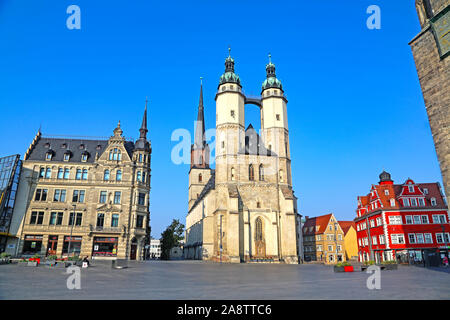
x=323, y=240
x=350, y=241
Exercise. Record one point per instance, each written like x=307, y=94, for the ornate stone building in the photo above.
x=86, y=197
x=244, y=210
x=431, y=50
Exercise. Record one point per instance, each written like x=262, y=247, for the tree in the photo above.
x=171, y=238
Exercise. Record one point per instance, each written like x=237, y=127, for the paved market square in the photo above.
x=204, y=280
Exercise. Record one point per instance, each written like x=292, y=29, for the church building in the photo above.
x=244, y=210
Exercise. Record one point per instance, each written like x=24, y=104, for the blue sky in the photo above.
x=355, y=104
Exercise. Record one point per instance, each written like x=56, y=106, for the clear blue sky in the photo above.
x=355, y=104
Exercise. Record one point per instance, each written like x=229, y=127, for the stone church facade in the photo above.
x=85, y=197
x=431, y=50
x=244, y=210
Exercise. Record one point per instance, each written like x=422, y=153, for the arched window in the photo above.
x=60, y=173
x=106, y=175
x=258, y=230
x=139, y=176
x=251, y=173
x=119, y=175
x=84, y=176
x=261, y=172
x=232, y=174
x=200, y=178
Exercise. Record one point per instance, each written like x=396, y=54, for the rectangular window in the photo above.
x=413, y=203
x=428, y=238
x=442, y=219
x=419, y=237
x=392, y=202
x=53, y=216
x=33, y=217
x=48, y=173
x=78, y=196
x=416, y=219
x=117, y=195
x=66, y=173
x=141, y=199
x=100, y=219
x=395, y=220
x=378, y=221
x=78, y=218
x=60, y=195
x=372, y=223
x=439, y=238
x=102, y=197
x=424, y=219
x=421, y=202
x=140, y=221
x=59, y=218
x=381, y=239
x=60, y=173
x=41, y=195
x=115, y=220
x=411, y=189
x=374, y=240
x=398, y=238
x=412, y=238
x=408, y=219
x=435, y=218
x=78, y=174
x=330, y=248
x=405, y=202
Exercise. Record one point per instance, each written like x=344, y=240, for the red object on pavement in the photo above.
x=348, y=268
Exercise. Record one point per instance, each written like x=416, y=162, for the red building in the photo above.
x=407, y=222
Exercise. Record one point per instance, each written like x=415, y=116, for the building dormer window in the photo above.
x=84, y=157
x=81, y=146
x=433, y=202
x=48, y=156
x=411, y=189
x=66, y=156
x=425, y=190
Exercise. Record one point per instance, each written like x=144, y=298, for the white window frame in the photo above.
x=419, y=220
x=430, y=238
x=426, y=216
x=408, y=219
x=412, y=236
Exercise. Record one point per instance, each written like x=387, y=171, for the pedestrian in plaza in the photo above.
x=86, y=260
x=445, y=261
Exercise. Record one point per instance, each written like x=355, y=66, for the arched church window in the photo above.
x=200, y=178
x=251, y=173
x=261, y=172
x=258, y=231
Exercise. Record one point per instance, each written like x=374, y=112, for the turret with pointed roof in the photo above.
x=142, y=143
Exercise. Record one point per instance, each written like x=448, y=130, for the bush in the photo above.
x=52, y=257
x=74, y=258
x=4, y=255
x=36, y=256
x=369, y=263
x=343, y=264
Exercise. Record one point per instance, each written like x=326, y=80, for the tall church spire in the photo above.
x=199, y=141
x=200, y=149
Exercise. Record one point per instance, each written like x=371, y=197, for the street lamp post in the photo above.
x=71, y=229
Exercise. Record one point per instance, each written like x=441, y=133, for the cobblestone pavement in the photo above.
x=204, y=280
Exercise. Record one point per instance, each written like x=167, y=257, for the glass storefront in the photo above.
x=32, y=244
x=75, y=245
x=105, y=247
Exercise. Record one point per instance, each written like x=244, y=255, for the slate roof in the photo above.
x=254, y=145
x=59, y=146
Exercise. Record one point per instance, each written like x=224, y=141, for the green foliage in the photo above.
x=369, y=263
x=4, y=255
x=389, y=262
x=171, y=238
x=36, y=256
x=53, y=257
x=343, y=264
x=74, y=258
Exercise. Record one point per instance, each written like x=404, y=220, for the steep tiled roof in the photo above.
x=346, y=225
x=321, y=222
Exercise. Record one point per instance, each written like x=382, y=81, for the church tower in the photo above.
x=200, y=173
x=230, y=121
x=274, y=123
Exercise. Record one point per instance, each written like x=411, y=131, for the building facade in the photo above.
x=86, y=197
x=402, y=222
x=155, y=249
x=323, y=240
x=10, y=168
x=350, y=240
x=431, y=50
x=245, y=209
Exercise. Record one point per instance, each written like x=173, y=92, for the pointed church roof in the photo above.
x=200, y=141
x=142, y=143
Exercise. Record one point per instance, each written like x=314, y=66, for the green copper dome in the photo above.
x=229, y=76
x=271, y=81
